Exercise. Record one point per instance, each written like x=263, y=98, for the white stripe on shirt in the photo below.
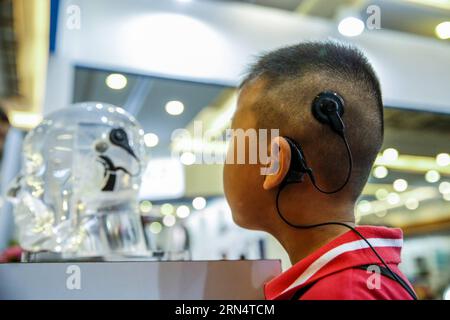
x=343, y=248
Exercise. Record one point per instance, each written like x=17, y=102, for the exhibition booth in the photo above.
x=167, y=74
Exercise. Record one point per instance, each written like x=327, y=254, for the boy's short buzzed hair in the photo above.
x=293, y=76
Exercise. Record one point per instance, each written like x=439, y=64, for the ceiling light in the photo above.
x=199, y=203
x=443, y=159
x=116, y=81
x=351, y=27
x=187, y=158
x=446, y=196
x=390, y=155
x=167, y=209
x=444, y=187
x=380, y=172
x=412, y=203
x=145, y=206
x=364, y=206
x=151, y=139
x=183, y=211
x=432, y=176
x=169, y=220
x=443, y=30
x=381, y=213
x=381, y=194
x=155, y=227
x=393, y=198
x=174, y=107
x=24, y=119
x=400, y=185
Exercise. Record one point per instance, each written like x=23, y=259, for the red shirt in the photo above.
x=331, y=270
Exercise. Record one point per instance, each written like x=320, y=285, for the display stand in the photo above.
x=177, y=280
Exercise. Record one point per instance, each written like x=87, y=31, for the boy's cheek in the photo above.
x=245, y=196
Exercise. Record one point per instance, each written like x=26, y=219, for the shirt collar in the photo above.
x=346, y=251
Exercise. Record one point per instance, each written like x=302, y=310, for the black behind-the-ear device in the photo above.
x=298, y=166
x=328, y=108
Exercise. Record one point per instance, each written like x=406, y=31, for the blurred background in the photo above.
x=173, y=62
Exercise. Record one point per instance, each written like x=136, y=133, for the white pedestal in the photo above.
x=177, y=280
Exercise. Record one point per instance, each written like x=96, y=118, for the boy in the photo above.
x=329, y=260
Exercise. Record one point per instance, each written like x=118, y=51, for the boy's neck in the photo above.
x=299, y=243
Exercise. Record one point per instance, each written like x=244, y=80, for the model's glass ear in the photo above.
x=298, y=166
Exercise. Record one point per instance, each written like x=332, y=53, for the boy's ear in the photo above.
x=280, y=161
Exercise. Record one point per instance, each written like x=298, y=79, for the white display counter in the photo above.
x=179, y=280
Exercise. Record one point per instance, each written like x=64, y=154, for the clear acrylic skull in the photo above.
x=77, y=193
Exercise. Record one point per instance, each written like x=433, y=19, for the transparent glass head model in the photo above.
x=77, y=192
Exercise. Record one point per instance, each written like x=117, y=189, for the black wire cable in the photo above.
x=310, y=226
x=350, y=169
x=109, y=166
x=340, y=130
